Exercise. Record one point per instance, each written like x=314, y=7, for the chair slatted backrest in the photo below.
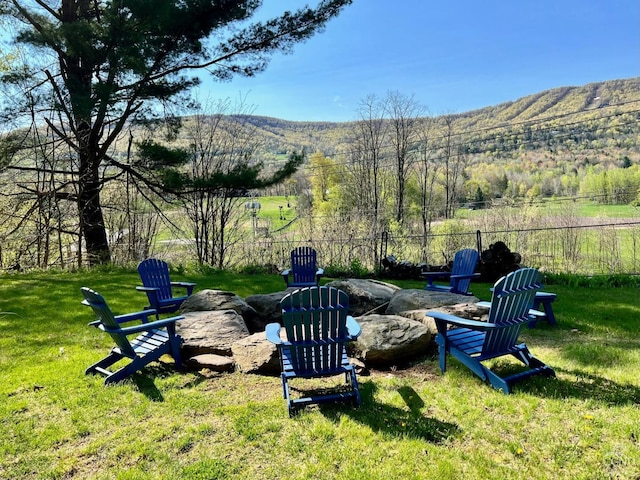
x=303, y=265
x=315, y=320
x=464, y=263
x=107, y=319
x=511, y=300
x=155, y=273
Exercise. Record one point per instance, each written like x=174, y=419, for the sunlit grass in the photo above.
x=608, y=211
x=414, y=423
x=558, y=206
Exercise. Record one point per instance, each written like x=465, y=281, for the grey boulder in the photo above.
x=210, y=332
x=390, y=340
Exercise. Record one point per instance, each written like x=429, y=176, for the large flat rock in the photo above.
x=391, y=340
x=211, y=332
x=267, y=307
x=212, y=300
x=256, y=354
x=418, y=299
x=365, y=295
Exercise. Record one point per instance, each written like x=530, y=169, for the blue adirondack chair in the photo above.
x=153, y=339
x=462, y=271
x=159, y=288
x=303, y=271
x=317, y=329
x=473, y=342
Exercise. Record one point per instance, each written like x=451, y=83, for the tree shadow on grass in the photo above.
x=601, y=352
x=586, y=386
x=407, y=422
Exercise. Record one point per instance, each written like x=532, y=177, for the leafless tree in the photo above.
x=454, y=162
x=368, y=155
x=366, y=159
x=219, y=144
x=426, y=171
x=403, y=113
x=133, y=220
x=38, y=230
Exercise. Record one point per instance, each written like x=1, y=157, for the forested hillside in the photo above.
x=600, y=116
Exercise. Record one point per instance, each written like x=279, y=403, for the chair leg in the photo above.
x=121, y=374
x=357, y=400
x=285, y=387
x=175, y=352
x=442, y=351
x=102, y=365
x=551, y=318
x=497, y=382
x=443, y=359
x=525, y=356
x=287, y=396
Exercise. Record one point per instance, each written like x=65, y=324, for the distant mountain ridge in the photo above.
x=579, y=102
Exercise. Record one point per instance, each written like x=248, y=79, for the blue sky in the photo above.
x=452, y=56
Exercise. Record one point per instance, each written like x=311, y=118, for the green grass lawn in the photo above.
x=557, y=206
x=414, y=423
x=590, y=209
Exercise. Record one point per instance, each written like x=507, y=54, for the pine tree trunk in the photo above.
x=92, y=221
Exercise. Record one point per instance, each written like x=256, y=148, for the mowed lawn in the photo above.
x=414, y=423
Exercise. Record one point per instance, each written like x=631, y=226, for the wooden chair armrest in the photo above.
x=143, y=316
x=272, y=332
x=353, y=327
x=445, y=318
x=147, y=289
x=428, y=275
x=285, y=273
x=431, y=276
x=129, y=317
x=532, y=312
x=189, y=286
x=145, y=327
x=320, y=272
x=468, y=275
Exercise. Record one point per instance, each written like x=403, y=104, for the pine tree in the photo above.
x=97, y=66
